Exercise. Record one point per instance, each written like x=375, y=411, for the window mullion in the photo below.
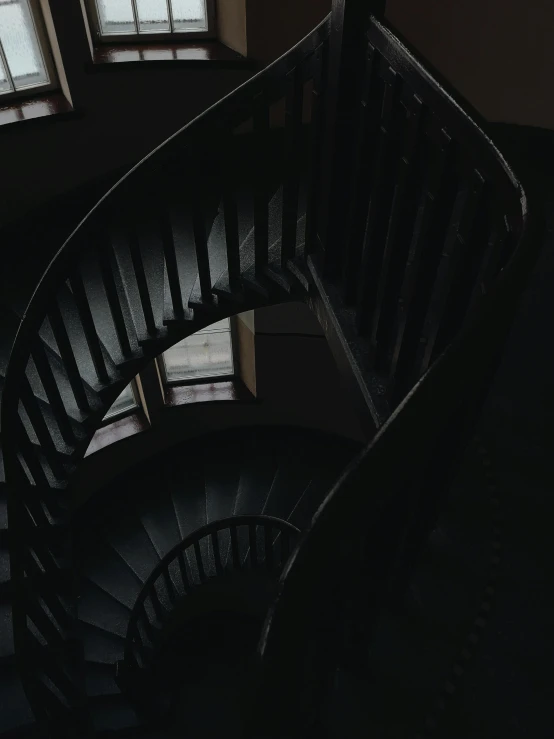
x=170, y=16
x=6, y=67
x=136, y=15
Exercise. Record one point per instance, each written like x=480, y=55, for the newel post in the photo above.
x=349, y=24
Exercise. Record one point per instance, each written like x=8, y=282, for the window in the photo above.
x=206, y=354
x=127, y=20
x=25, y=60
x=124, y=403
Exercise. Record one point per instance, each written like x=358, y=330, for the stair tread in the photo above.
x=100, y=645
x=185, y=252
x=160, y=521
x=103, y=320
x=132, y=542
x=100, y=679
x=6, y=633
x=14, y=706
x=151, y=252
x=100, y=609
x=113, y=713
x=109, y=572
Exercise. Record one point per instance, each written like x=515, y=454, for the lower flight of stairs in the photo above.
x=282, y=472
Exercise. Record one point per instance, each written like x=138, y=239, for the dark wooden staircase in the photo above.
x=380, y=201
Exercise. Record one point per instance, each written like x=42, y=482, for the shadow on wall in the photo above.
x=298, y=384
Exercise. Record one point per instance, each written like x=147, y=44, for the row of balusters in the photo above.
x=239, y=544
x=40, y=452
x=426, y=233
x=63, y=392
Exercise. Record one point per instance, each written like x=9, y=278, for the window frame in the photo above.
x=118, y=415
x=45, y=47
x=207, y=379
x=147, y=38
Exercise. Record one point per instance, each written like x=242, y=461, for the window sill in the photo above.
x=121, y=428
x=212, y=54
x=24, y=110
x=209, y=392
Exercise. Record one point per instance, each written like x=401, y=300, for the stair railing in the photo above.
x=62, y=376
x=214, y=553
x=432, y=261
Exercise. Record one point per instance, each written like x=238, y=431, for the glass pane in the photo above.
x=200, y=355
x=223, y=325
x=153, y=16
x=4, y=84
x=189, y=15
x=116, y=16
x=124, y=402
x=21, y=45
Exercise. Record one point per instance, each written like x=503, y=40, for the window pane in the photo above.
x=189, y=15
x=153, y=16
x=223, y=325
x=116, y=16
x=203, y=354
x=4, y=84
x=20, y=43
x=124, y=402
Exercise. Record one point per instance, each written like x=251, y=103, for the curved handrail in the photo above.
x=35, y=471
x=148, y=610
x=216, y=116
x=330, y=598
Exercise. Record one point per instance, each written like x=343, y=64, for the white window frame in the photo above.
x=47, y=55
x=206, y=379
x=116, y=416
x=146, y=38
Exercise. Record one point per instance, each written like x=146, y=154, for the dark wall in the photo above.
x=298, y=384
x=273, y=27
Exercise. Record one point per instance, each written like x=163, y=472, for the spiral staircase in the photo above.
x=381, y=203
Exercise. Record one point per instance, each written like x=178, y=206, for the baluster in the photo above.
x=142, y=282
x=315, y=164
x=159, y=610
x=199, y=561
x=268, y=545
x=28, y=454
x=169, y=585
x=252, y=545
x=217, y=553
x=392, y=117
x=428, y=236
x=235, y=548
x=293, y=152
x=261, y=188
x=46, y=375
x=230, y=213
x=463, y=217
x=364, y=163
x=108, y=270
x=499, y=243
x=68, y=357
x=91, y=335
x=347, y=43
x=147, y=625
x=285, y=545
x=400, y=228
x=183, y=570
x=41, y=621
x=170, y=257
x=30, y=403
x=201, y=243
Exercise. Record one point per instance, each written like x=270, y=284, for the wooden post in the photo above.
x=349, y=23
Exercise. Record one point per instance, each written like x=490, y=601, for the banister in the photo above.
x=132, y=670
